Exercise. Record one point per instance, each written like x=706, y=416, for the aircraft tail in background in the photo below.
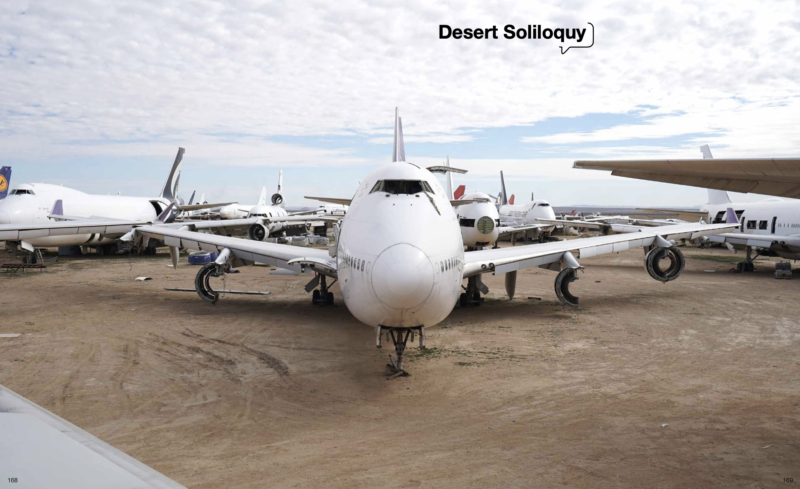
x=399, y=148
x=170, y=189
x=459, y=192
x=511, y=200
x=714, y=196
x=503, y=194
x=262, y=199
x=5, y=181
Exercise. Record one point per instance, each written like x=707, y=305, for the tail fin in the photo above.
x=191, y=199
x=459, y=192
x=58, y=208
x=511, y=200
x=168, y=215
x=399, y=148
x=262, y=199
x=503, y=195
x=202, y=199
x=718, y=197
x=449, y=180
x=280, y=181
x=5, y=181
x=731, y=218
x=714, y=196
x=170, y=190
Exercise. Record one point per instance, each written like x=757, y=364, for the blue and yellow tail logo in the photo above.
x=3, y=183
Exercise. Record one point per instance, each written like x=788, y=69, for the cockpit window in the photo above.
x=397, y=187
x=21, y=191
x=544, y=205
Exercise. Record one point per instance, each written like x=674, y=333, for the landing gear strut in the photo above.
x=399, y=337
x=747, y=264
x=473, y=290
x=321, y=296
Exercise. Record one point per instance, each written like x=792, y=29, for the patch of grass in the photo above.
x=465, y=364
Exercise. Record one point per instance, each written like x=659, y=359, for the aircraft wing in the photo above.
x=686, y=215
x=575, y=223
x=247, y=250
x=503, y=260
x=787, y=243
x=769, y=176
x=42, y=450
x=503, y=230
x=198, y=207
x=106, y=227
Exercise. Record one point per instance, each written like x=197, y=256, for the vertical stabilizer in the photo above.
x=449, y=181
x=399, y=148
x=503, y=194
x=714, y=196
x=262, y=199
x=459, y=192
x=280, y=181
x=202, y=199
x=191, y=199
x=5, y=181
x=171, y=185
x=511, y=200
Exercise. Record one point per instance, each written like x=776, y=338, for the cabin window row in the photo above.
x=357, y=264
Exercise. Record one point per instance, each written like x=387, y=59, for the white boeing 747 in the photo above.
x=399, y=257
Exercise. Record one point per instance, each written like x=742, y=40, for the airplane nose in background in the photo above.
x=4, y=219
x=402, y=276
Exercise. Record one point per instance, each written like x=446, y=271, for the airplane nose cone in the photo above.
x=4, y=219
x=402, y=276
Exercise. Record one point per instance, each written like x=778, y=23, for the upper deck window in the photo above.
x=398, y=187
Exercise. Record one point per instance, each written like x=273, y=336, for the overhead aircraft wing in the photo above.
x=769, y=176
x=198, y=207
x=445, y=169
x=42, y=450
x=331, y=200
x=503, y=260
x=248, y=251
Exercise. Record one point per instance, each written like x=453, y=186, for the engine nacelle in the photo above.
x=654, y=257
x=258, y=232
x=277, y=199
x=564, y=278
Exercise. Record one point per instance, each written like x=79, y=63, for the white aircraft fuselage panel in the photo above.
x=35, y=203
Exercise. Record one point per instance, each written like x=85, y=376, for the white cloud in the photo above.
x=84, y=77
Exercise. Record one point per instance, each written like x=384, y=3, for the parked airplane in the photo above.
x=525, y=214
x=399, y=258
x=5, y=181
x=240, y=211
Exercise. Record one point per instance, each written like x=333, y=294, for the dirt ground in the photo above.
x=693, y=383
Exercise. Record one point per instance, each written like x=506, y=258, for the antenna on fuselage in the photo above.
x=399, y=153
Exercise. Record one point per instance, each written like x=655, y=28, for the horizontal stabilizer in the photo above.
x=331, y=200
x=445, y=169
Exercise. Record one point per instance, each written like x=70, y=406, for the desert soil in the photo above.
x=693, y=383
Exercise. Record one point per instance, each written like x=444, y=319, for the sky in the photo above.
x=98, y=96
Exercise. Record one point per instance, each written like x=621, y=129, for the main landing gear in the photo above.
x=321, y=296
x=747, y=264
x=399, y=337
x=472, y=292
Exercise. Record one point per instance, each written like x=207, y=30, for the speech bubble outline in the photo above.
x=563, y=51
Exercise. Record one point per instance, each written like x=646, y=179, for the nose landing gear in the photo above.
x=399, y=337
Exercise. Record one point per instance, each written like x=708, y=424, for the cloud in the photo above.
x=141, y=77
